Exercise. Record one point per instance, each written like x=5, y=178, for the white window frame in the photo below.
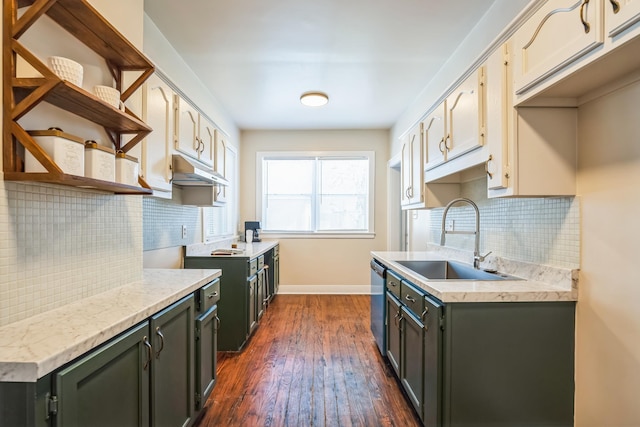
x=368, y=234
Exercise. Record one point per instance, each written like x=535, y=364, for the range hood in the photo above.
x=190, y=172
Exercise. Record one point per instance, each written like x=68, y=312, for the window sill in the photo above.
x=327, y=235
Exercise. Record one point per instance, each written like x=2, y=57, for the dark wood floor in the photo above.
x=312, y=362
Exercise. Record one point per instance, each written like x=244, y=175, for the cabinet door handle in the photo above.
x=146, y=343
x=215, y=294
x=409, y=298
x=615, y=5
x=447, y=146
x=394, y=284
x=159, y=333
x=486, y=167
x=585, y=24
x=440, y=145
x=217, y=319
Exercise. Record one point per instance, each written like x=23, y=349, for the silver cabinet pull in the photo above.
x=215, y=294
x=159, y=333
x=410, y=298
x=146, y=343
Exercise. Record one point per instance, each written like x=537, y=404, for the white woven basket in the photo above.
x=66, y=69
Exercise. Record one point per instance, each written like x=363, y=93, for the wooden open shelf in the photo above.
x=76, y=181
x=21, y=95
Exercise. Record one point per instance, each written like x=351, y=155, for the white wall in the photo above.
x=608, y=317
x=320, y=265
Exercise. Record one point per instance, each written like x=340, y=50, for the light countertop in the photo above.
x=539, y=283
x=36, y=346
x=251, y=250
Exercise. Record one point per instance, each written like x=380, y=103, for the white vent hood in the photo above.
x=190, y=172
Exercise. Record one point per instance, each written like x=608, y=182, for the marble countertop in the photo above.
x=539, y=283
x=251, y=250
x=36, y=346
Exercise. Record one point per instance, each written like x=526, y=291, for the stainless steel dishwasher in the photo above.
x=378, y=284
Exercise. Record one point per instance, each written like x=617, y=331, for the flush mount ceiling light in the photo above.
x=314, y=99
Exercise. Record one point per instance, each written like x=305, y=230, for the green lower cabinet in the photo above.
x=109, y=386
x=253, y=304
x=245, y=290
x=412, y=350
x=172, y=397
x=142, y=378
x=392, y=328
x=483, y=364
x=206, y=359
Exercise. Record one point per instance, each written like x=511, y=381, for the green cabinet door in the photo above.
x=109, y=386
x=206, y=358
x=172, y=382
x=253, y=304
x=261, y=299
x=392, y=321
x=412, y=342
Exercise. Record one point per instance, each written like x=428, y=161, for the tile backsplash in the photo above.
x=163, y=221
x=60, y=244
x=537, y=230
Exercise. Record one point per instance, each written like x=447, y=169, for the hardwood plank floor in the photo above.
x=312, y=362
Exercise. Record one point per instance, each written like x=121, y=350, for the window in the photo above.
x=316, y=192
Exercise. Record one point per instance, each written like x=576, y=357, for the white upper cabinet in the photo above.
x=465, y=116
x=412, y=169
x=434, y=137
x=156, y=147
x=498, y=115
x=187, y=128
x=207, y=136
x=620, y=15
x=558, y=34
x=220, y=153
x=531, y=151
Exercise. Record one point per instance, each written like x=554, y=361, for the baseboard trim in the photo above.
x=325, y=289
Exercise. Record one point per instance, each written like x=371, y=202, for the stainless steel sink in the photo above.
x=451, y=270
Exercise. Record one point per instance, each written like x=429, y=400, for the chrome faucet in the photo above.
x=477, y=258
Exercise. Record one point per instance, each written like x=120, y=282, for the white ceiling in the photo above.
x=372, y=57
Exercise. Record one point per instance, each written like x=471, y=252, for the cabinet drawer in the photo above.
x=260, y=262
x=253, y=267
x=393, y=283
x=412, y=298
x=208, y=295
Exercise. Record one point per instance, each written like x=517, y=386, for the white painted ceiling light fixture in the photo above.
x=314, y=99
